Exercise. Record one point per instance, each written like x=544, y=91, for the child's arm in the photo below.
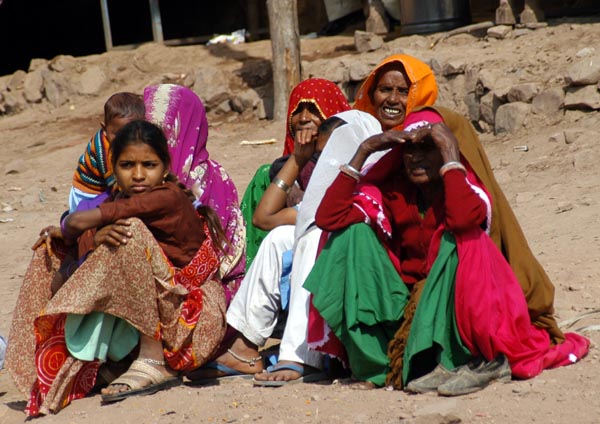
x=77, y=222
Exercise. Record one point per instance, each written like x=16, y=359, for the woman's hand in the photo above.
x=114, y=234
x=441, y=136
x=376, y=143
x=383, y=141
x=304, y=145
x=46, y=236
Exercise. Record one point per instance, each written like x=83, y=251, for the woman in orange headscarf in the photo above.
x=394, y=88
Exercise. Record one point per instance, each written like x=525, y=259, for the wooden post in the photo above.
x=106, y=25
x=157, y=32
x=252, y=19
x=285, y=45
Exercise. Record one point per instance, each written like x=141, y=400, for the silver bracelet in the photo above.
x=452, y=165
x=350, y=171
x=282, y=185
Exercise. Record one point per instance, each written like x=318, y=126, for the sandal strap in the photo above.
x=251, y=361
x=139, y=370
x=152, y=361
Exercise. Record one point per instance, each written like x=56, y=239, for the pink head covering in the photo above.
x=181, y=114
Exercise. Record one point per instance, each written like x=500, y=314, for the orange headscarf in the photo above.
x=423, y=89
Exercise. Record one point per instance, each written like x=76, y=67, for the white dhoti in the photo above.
x=294, y=346
x=254, y=310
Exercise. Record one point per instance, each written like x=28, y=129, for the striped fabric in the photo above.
x=94, y=172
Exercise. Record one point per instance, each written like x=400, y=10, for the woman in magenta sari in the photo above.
x=181, y=114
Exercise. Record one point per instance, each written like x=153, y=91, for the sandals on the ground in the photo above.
x=139, y=373
x=198, y=376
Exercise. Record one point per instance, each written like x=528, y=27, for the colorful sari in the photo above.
x=186, y=314
x=468, y=275
x=254, y=192
x=422, y=92
x=181, y=114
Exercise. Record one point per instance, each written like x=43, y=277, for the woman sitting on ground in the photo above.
x=311, y=102
x=263, y=296
x=147, y=290
x=395, y=87
x=182, y=117
x=433, y=276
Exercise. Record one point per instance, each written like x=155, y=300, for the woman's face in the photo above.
x=422, y=162
x=305, y=117
x=390, y=96
x=138, y=169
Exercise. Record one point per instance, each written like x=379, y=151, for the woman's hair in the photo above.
x=331, y=124
x=217, y=234
x=144, y=132
x=141, y=132
x=124, y=105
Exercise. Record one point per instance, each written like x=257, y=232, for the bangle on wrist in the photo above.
x=350, y=171
x=452, y=165
x=282, y=185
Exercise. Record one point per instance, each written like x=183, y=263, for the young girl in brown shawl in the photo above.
x=149, y=282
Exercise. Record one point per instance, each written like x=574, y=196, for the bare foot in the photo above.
x=284, y=374
x=242, y=357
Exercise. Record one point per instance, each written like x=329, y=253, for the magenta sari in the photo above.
x=181, y=114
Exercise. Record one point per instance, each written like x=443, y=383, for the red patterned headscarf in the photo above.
x=324, y=94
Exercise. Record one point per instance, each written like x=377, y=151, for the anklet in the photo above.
x=152, y=361
x=250, y=362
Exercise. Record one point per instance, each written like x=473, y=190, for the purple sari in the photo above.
x=181, y=114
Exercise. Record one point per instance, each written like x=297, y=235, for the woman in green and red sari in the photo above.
x=444, y=276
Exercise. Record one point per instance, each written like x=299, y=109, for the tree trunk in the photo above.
x=252, y=19
x=285, y=44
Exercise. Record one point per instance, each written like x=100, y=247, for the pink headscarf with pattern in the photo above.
x=181, y=114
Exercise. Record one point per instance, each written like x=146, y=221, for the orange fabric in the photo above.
x=423, y=89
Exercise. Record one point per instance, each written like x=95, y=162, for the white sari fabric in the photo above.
x=340, y=148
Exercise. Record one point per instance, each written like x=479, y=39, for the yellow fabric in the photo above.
x=422, y=91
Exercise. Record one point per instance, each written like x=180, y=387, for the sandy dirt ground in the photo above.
x=554, y=188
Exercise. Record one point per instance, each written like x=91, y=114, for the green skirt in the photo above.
x=360, y=295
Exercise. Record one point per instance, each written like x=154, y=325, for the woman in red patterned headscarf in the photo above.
x=325, y=97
